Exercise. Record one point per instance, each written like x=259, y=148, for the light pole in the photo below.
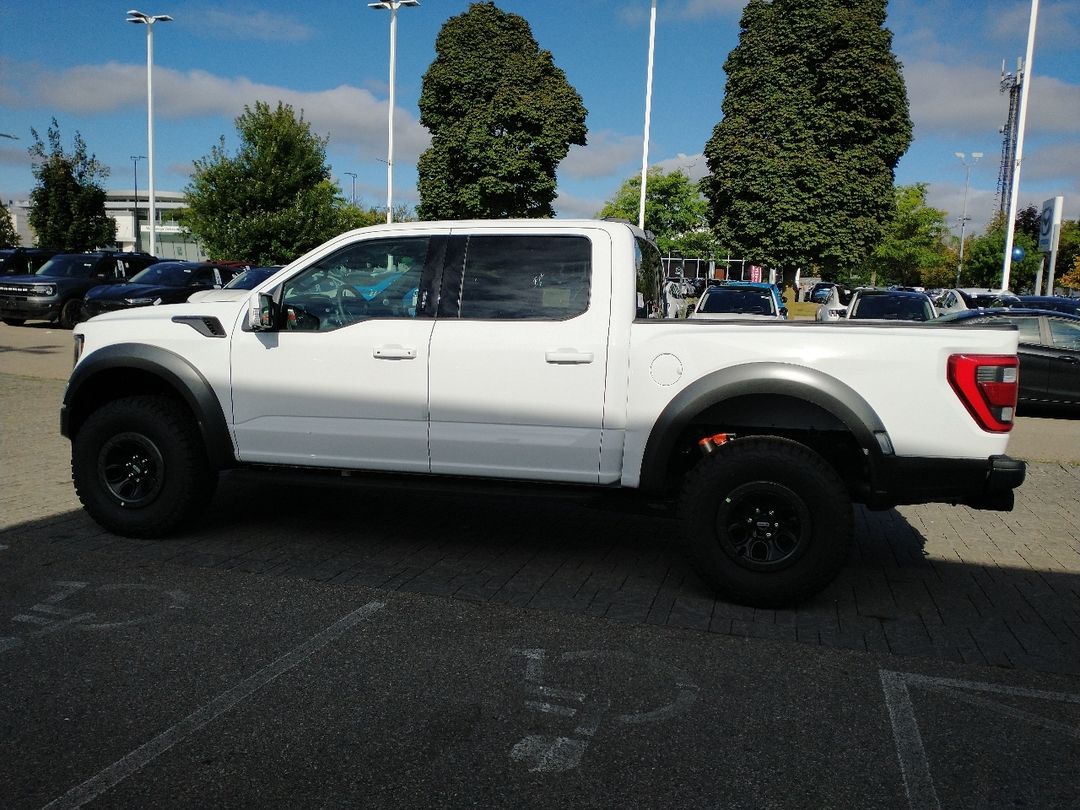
x=392, y=6
x=648, y=114
x=1025, y=88
x=135, y=159
x=964, y=217
x=353, y=176
x=148, y=20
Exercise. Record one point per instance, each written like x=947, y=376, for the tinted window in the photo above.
x=173, y=274
x=526, y=277
x=378, y=278
x=68, y=267
x=1028, y=327
x=892, y=308
x=1064, y=334
x=650, y=279
x=737, y=301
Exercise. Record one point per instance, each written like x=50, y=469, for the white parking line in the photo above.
x=144, y=754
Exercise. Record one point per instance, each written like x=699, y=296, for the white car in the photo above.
x=974, y=298
x=739, y=300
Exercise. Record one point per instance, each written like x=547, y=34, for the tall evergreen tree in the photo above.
x=273, y=200
x=67, y=204
x=502, y=116
x=9, y=237
x=815, y=119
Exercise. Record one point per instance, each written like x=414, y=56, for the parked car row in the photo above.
x=70, y=287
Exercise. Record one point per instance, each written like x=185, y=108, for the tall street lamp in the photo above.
x=353, y=176
x=135, y=159
x=148, y=20
x=392, y=6
x=964, y=218
x=648, y=114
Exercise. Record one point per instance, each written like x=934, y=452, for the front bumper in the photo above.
x=979, y=483
x=29, y=308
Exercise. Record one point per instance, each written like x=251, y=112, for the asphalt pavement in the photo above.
x=386, y=648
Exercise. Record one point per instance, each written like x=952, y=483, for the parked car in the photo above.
x=252, y=277
x=958, y=300
x=740, y=299
x=23, y=261
x=890, y=305
x=1058, y=303
x=55, y=292
x=820, y=292
x=1049, y=350
x=160, y=283
x=834, y=308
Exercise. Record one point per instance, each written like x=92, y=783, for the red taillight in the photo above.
x=987, y=384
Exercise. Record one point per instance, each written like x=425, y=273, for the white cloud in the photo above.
x=570, y=206
x=964, y=99
x=607, y=154
x=262, y=25
x=349, y=115
x=1056, y=24
x=694, y=166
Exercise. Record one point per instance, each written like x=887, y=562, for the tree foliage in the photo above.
x=501, y=115
x=9, y=237
x=815, y=119
x=985, y=253
x=67, y=204
x=912, y=251
x=675, y=212
x=273, y=200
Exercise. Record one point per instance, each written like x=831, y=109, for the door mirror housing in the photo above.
x=261, y=313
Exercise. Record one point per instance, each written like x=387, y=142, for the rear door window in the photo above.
x=542, y=277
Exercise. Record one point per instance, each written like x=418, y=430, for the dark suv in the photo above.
x=21, y=261
x=55, y=292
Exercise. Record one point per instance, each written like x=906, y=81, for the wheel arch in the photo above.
x=766, y=398
x=128, y=369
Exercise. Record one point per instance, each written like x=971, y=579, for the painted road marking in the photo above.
x=914, y=767
x=560, y=753
x=146, y=753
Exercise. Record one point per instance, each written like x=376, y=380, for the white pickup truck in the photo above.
x=534, y=351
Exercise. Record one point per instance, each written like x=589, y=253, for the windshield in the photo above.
x=743, y=302
x=892, y=308
x=251, y=278
x=68, y=267
x=171, y=274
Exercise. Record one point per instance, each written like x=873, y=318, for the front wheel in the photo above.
x=140, y=468
x=71, y=314
x=767, y=521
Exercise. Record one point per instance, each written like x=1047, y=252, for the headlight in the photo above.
x=139, y=302
x=79, y=341
x=47, y=290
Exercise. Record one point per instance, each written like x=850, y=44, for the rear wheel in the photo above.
x=71, y=313
x=140, y=468
x=767, y=521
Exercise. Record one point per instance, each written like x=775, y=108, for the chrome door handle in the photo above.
x=394, y=352
x=568, y=357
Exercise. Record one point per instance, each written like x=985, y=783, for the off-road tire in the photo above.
x=14, y=321
x=140, y=468
x=767, y=522
x=71, y=313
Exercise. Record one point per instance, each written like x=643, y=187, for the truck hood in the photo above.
x=218, y=296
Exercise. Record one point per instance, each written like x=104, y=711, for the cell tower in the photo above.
x=1011, y=83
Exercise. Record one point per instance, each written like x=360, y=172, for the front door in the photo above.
x=342, y=381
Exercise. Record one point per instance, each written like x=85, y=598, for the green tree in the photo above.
x=9, y=237
x=1068, y=255
x=67, y=204
x=983, y=259
x=675, y=212
x=501, y=115
x=815, y=119
x=912, y=251
x=273, y=200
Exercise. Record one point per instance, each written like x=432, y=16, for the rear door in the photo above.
x=1063, y=377
x=519, y=355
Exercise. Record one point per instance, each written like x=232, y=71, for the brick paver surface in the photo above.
x=938, y=581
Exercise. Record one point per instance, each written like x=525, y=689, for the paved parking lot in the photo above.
x=373, y=647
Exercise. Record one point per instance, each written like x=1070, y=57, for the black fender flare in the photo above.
x=782, y=379
x=174, y=371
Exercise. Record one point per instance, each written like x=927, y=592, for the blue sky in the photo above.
x=80, y=62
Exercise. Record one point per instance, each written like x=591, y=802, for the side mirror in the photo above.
x=261, y=310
